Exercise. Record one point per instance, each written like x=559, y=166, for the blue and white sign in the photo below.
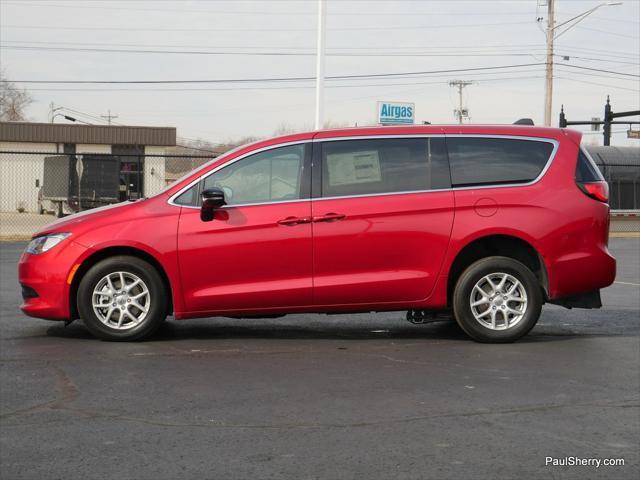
x=396, y=113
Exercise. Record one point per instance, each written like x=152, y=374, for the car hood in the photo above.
x=87, y=219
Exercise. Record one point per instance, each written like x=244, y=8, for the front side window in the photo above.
x=378, y=166
x=494, y=161
x=269, y=176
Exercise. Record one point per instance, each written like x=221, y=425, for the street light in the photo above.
x=67, y=117
x=580, y=17
x=552, y=34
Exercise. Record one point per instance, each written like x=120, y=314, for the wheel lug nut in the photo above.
x=494, y=307
x=128, y=300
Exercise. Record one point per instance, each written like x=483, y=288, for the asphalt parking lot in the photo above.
x=315, y=396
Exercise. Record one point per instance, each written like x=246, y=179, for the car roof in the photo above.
x=517, y=130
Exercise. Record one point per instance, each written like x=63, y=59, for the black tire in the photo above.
x=158, y=295
x=462, y=300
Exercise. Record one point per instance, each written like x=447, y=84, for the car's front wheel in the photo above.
x=497, y=300
x=122, y=298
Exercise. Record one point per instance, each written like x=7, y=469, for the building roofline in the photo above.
x=30, y=132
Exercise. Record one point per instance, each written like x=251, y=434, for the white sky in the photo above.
x=471, y=34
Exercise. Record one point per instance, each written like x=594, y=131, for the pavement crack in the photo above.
x=628, y=403
x=65, y=392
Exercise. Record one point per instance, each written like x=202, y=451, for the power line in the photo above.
x=259, y=12
x=295, y=87
x=277, y=29
x=301, y=54
x=283, y=79
x=405, y=49
x=608, y=85
x=599, y=70
x=294, y=54
x=335, y=77
x=607, y=32
x=599, y=75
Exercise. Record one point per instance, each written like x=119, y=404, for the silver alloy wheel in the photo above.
x=498, y=301
x=121, y=300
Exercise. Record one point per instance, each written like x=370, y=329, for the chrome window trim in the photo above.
x=554, y=142
x=373, y=137
x=238, y=158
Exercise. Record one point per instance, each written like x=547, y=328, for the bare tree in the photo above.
x=13, y=101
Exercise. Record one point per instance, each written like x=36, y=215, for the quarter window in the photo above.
x=360, y=167
x=273, y=175
x=495, y=161
x=586, y=170
x=189, y=197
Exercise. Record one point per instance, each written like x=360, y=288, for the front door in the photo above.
x=256, y=254
x=382, y=216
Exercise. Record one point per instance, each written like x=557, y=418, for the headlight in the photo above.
x=45, y=243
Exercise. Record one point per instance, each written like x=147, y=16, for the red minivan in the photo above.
x=485, y=222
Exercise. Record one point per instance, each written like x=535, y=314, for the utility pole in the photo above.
x=460, y=112
x=548, y=91
x=109, y=117
x=553, y=32
x=322, y=20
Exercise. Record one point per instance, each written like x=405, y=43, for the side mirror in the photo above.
x=212, y=199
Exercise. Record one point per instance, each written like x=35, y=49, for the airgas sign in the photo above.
x=396, y=113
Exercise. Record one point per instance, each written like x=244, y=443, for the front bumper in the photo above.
x=45, y=280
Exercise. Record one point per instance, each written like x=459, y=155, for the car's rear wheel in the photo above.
x=122, y=298
x=497, y=300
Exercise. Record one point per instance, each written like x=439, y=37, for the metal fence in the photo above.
x=37, y=187
x=624, y=185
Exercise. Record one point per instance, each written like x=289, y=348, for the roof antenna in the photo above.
x=524, y=121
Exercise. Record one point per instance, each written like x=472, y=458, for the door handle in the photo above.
x=329, y=217
x=291, y=221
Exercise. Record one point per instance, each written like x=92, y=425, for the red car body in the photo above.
x=381, y=252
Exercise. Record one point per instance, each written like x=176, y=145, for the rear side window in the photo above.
x=586, y=170
x=495, y=161
x=377, y=166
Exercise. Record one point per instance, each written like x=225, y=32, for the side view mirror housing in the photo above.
x=212, y=199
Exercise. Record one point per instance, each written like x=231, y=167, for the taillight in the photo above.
x=596, y=190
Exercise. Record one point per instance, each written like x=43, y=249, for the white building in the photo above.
x=137, y=154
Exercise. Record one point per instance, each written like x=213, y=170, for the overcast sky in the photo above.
x=42, y=40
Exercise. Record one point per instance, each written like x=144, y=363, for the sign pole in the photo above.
x=322, y=20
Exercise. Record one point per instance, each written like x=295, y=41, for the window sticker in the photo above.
x=354, y=167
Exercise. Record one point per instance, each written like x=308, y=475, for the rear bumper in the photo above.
x=44, y=281
x=581, y=272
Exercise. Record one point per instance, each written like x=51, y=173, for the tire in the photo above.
x=145, y=311
x=482, y=315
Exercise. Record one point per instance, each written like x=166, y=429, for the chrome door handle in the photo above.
x=329, y=217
